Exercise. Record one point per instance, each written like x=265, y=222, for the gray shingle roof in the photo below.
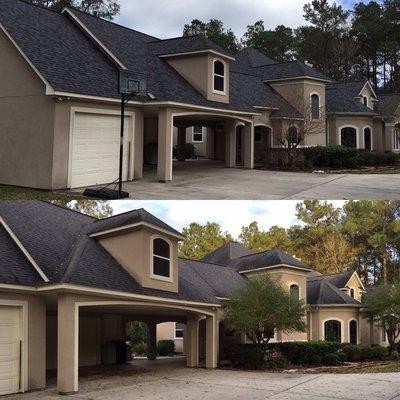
x=340, y=98
x=340, y=280
x=388, y=105
x=321, y=291
x=128, y=218
x=227, y=252
x=268, y=258
x=250, y=58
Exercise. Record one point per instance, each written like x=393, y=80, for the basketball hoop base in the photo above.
x=106, y=194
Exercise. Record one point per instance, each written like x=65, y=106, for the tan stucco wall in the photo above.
x=298, y=94
x=36, y=337
x=337, y=122
x=319, y=315
x=132, y=250
x=26, y=122
x=200, y=148
x=355, y=284
x=166, y=331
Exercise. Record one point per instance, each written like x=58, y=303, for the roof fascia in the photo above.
x=49, y=88
x=296, y=78
x=136, y=225
x=355, y=113
x=273, y=267
x=358, y=279
x=197, y=52
x=371, y=87
x=149, y=104
x=93, y=37
x=24, y=251
x=336, y=305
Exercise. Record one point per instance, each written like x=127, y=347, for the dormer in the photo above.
x=367, y=95
x=354, y=287
x=144, y=246
x=200, y=62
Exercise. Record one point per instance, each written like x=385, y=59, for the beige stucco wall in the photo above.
x=26, y=122
x=319, y=315
x=355, y=284
x=337, y=122
x=200, y=148
x=36, y=337
x=298, y=94
x=132, y=250
x=166, y=331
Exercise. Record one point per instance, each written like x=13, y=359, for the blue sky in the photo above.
x=166, y=18
x=231, y=215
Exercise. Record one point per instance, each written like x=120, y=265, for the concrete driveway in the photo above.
x=170, y=380
x=205, y=180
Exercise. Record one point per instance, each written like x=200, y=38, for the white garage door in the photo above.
x=95, y=149
x=10, y=345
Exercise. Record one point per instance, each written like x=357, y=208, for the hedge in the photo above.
x=333, y=157
x=364, y=353
x=190, y=151
x=165, y=347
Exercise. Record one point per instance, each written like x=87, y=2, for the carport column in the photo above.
x=138, y=145
x=192, y=342
x=212, y=341
x=165, y=140
x=230, y=145
x=181, y=143
x=151, y=340
x=210, y=152
x=249, y=146
x=68, y=339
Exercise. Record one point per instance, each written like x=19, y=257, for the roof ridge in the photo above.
x=39, y=6
x=206, y=262
x=180, y=37
x=110, y=22
x=117, y=215
x=339, y=292
x=66, y=208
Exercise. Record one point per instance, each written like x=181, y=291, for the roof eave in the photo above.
x=301, y=77
x=197, y=52
x=244, y=272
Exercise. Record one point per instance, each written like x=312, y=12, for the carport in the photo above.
x=76, y=348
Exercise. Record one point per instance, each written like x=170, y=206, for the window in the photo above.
x=161, y=258
x=365, y=100
x=333, y=331
x=198, y=134
x=367, y=139
x=293, y=136
x=353, y=334
x=348, y=137
x=352, y=293
x=258, y=134
x=179, y=330
x=397, y=137
x=262, y=134
x=294, y=292
x=315, y=112
x=384, y=335
x=219, y=76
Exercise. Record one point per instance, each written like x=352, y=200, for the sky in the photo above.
x=166, y=18
x=231, y=215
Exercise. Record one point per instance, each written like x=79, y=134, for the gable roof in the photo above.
x=320, y=291
x=250, y=57
x=388, y=105
x=340, y=280
x=226, y=253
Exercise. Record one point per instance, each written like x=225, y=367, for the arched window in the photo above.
x=161, y=258
x=293, y=135
x=333, y=331
x=348, y=137
x=353, y=332
x=367, y=139
x=352, y=293
x=315, y=106
x=397, y=137
x=294, y=292
x=219, y=76
x=365, y=99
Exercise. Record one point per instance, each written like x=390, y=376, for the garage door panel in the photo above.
x=95, y=149
x=10, y=348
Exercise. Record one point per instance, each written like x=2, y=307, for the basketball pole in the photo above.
x=121, y=145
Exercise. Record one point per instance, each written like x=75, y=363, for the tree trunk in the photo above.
x=384, y=267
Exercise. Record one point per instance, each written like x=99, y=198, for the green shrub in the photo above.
x=139, y=349
x=315, y=359
x=367, y=158
x=379, y=352
x=276, y=362
x=395, y=354
x=352, y=352
x=342, y=357
x=366, y=353
x=332, y=359
x=351, y=163
x=190, y=151
x=392, y=158
x=246, y=356
x=165, y=347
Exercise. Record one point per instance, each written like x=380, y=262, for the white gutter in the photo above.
x=24, y=251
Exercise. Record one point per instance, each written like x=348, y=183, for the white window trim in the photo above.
x=198, y=133
x=358, y=329
x=175, y=329
x=272, y=133
x=394, y=138
x=357, y=134
x=341, y=328
x=214, y=75
x=372, y=136
x=171, y=264
x=319, y=105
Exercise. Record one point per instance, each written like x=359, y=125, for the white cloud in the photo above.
x=231, y=215
x=166, y=18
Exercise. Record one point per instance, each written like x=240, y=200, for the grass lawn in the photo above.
x=18, y=193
